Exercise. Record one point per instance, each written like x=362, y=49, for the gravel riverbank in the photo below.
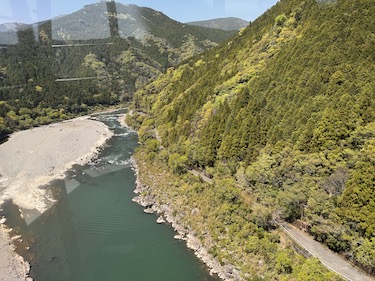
x=33, y=158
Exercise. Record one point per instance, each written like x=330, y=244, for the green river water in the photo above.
x=95, y=232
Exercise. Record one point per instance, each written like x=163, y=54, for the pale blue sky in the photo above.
x=29, y=11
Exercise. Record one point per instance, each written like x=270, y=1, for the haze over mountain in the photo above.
x=91, y=22
x=11, y=26
x=229, y=23
x=281, y=122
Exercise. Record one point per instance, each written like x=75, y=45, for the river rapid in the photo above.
x=94, y=231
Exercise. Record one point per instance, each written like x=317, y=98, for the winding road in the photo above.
x=328, y=258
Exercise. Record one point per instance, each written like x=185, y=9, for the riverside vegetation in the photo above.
x=141, y=45
x=281, y=118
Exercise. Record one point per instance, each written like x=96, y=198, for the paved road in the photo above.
x=329, y=259
x=201, y=175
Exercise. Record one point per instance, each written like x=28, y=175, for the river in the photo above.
x=95, y=232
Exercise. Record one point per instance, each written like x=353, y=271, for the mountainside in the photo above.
x=282, y=119
x=11, y=26
x=118, y=48
x=229, y=23
x=94, y=20
x=144, y=24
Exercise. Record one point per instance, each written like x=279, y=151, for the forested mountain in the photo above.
x=11, y=26
x=143, y=23
x=120, y=48
x=229, y=23
x=282, y=118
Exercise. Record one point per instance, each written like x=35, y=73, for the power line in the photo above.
x=80, y=45
x=79, y=78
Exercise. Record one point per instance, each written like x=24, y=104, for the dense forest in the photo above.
x=282, y=119
x=37, y=62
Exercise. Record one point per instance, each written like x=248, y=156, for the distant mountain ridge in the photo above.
x=92, y=22
x=229, y=23
x=12, y=26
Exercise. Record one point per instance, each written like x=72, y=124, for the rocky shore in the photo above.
x=146, y=199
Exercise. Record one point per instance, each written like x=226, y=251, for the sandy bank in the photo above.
x=32, y=158
x=13, y=267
